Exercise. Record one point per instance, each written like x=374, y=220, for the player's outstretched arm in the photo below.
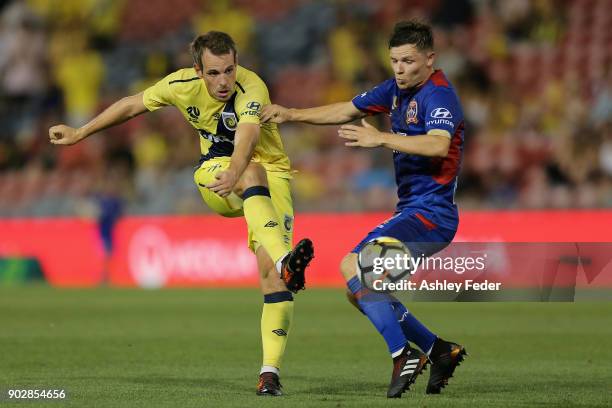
x=120, y=111
x=334, y=114
x=245, y=140
x=430, y=145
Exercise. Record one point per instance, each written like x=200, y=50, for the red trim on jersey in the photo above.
x=450, y=164
x=377, y=109
x=428, y=224
x=438, y=78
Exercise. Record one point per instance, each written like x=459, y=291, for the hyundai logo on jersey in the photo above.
x=441, y=113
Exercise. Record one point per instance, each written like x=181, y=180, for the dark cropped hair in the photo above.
x=217, y=42
x=412, y=32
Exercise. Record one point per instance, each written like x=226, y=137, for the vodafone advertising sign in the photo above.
x=173, y=251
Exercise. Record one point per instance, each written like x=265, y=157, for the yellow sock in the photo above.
x=263, y=221
x=275, y=324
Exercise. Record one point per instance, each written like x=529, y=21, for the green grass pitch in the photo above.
x=200, y=348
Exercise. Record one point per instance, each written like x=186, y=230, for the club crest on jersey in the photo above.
x=411, y=112
x=229, y=120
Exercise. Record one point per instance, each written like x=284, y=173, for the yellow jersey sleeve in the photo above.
x=251, y=97
x=158, y=95
x=162, y=94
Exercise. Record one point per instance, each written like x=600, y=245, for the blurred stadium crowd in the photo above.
x=534, y=78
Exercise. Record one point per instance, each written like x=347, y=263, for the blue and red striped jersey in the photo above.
x=423, y=182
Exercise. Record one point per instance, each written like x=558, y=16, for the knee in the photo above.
x=267, y=268
x=271, y=282
x=348, y=266
x=254, y=175
x=269, y=278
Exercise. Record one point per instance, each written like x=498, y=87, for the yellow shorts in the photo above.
x=231, y=206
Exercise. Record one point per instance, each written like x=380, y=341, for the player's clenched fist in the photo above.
x=64, y=135
x=274, y=114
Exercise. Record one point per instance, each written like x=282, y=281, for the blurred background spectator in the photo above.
x=534, y=78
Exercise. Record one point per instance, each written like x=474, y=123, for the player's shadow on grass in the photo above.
x=338, y=386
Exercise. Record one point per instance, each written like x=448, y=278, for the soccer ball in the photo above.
x=383, y=259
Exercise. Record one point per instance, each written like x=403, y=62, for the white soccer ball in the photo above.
x=383, y=259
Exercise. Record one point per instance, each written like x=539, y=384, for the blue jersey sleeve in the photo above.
x=442, y=111
x=377, y=100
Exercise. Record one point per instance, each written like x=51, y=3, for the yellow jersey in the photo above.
x=217, y=121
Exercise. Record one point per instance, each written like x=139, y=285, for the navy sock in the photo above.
x=377, y=306
x=414, y=330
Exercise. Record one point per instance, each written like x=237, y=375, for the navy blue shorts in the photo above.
x=415, y=229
